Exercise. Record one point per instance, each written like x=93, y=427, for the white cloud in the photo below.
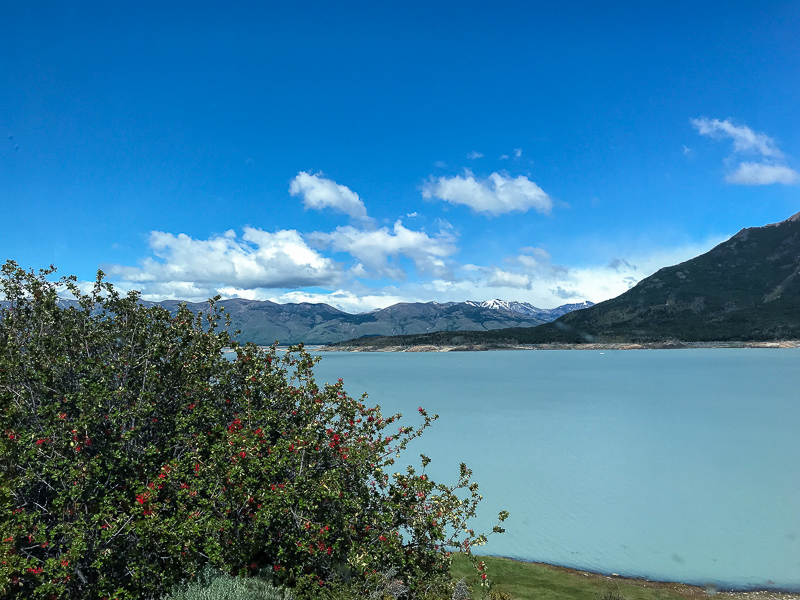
x=508, y=279
x=374, y=248
x=750, y=173
x=744, y=138
x=518, y=152
x=498, y=194
x=319, y=193
x=189, y=268
x=440, y=164
x=342, y=299
x=504, y=157
x=473, y=155
x=771, y=169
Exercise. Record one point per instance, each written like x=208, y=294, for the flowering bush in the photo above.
x=134, y=453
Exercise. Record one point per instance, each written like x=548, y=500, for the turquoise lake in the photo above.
x=679, y=465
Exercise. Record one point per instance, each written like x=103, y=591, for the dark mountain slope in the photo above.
x=746, y=288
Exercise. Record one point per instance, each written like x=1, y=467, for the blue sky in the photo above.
x=363, y=154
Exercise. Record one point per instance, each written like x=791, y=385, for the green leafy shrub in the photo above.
x=215, y=585
x=134, y=453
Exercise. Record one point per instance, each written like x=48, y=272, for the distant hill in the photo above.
x=745, y=289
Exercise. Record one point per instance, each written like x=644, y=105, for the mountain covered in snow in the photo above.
x=524, y=308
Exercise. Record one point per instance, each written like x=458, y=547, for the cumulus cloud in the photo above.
x=771, y=169
x=507, y=279
x=498, y=194
x=188, y=267
x=750, y=173
x=319, y=193
x=473, y=155
x=374, y=249
x=345, y=300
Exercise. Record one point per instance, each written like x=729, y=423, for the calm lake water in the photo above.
x=680, y=465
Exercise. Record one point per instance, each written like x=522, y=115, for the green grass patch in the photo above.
x=523, y=581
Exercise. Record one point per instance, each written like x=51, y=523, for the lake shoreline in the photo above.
x=668, y=345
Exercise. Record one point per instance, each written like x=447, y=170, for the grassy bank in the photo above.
x=529, y=581
x=512, y=580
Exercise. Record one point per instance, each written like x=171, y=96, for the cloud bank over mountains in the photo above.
x=362, y=266
x=367, y=263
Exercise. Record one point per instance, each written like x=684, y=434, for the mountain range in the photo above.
x=264, y=322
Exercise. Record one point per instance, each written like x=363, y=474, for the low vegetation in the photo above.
x=512, y=580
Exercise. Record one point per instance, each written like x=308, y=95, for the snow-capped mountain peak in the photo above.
x=530, y=310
